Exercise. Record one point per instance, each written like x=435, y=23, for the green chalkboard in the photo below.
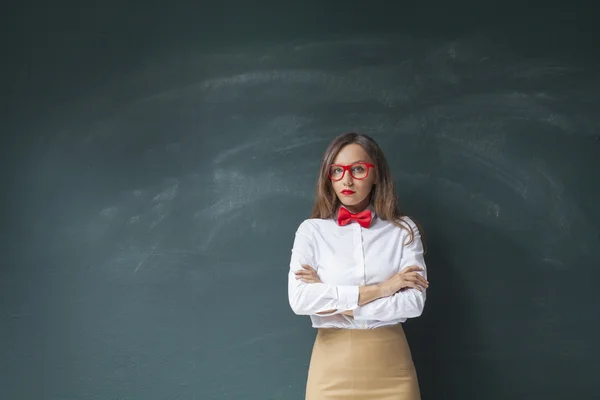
x=160, y=159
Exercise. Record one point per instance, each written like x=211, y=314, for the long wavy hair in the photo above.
x=383, y=196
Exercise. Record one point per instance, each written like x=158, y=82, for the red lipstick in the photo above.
x=347, y=192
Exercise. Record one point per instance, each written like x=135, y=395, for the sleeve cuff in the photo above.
x=347, y=297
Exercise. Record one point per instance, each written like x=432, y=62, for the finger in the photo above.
x=419, y=283
x=308, y=267
x=410, y=285
x=422, y=284
x=419, y=277
x=305, y=273
x=415, y=286
x=308, y=276
x=422, y=279
x=411, y=268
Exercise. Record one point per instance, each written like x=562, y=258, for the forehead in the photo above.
x=351, y=153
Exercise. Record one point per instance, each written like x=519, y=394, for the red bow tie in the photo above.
x=345, y=217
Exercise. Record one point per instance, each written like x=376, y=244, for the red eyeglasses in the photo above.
x=359, y=170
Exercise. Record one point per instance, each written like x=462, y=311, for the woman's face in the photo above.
x=352, y=192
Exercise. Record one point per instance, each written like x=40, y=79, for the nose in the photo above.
x=347, y=179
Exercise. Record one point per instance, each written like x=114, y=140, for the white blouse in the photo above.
x=346, y=257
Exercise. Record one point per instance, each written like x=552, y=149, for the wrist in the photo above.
x=368, y=293
x=382, y=290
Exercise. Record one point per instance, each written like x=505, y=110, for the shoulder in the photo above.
x=403, y=224
x=408, y=221
x=310, y=226
x=413, y=234
x=406, y=227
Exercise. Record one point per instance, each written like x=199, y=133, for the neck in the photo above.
x=358, y=207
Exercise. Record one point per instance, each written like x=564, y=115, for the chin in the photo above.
x=348, y=202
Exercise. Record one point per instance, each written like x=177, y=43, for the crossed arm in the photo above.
x=395, y=298
x=366, y=294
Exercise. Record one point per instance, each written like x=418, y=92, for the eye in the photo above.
x=358, y=168
x=336, y=171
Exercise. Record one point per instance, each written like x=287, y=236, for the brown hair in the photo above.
x=383, y=194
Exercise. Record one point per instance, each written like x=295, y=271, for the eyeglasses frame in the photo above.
x=347, y=168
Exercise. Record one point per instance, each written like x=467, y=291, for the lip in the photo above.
x=347, y=192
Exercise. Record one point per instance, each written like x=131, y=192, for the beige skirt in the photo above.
x=362, y=364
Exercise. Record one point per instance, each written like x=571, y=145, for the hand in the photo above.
x=407, y=278
x=308, y=274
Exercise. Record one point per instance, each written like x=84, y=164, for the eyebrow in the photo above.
x=353, y=162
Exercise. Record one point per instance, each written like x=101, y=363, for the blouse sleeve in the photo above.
x=408, y=303
x=313, y=298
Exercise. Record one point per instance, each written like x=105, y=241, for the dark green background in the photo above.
x=158, y=157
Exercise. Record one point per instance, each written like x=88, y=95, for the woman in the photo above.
x=357, y=269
